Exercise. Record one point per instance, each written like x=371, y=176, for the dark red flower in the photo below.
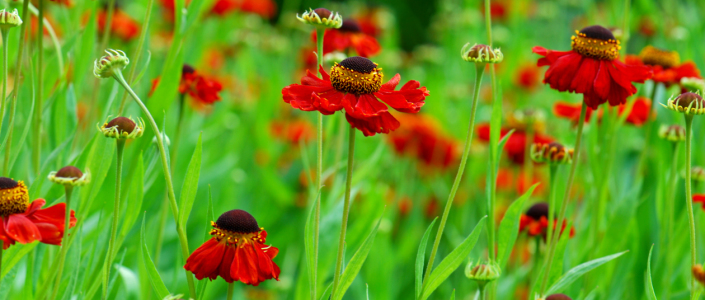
x=498, y=10
x=639, y=113
x=203, y=90
x=355, y=84
x=421, y=137
x=527, y=77
x=264, y=8
x=368, y=21
x=349, y=36
x=516, y=144
x=699, y=198
x=236, y=252
x=535, y=221
x=570, y=111
x=294, y=131
x=25, y=222
x=592, y=68
x=123, y=26
x=665, y=65
x=518, y=182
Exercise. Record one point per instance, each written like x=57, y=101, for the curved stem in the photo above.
x=231, y=289
x=116, y=215
x=64, y=241
x=561, y=215
x=319, y=172
x=5, y=33
x=37, y=144
x=689, y=197
x=479, y=68
x=167, y=177
x=346, y=211
x=140, y=45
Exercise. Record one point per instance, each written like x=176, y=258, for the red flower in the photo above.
x=516, y=144
x=639, y=113
x=25, y=222
x=592, y=68
x=236, y=252
x=421, y=137
x=665, y=65
x=293, y=131
x=202, y=89
x=123, y=26
x=527, y=77
x=535, y=221
x=570, y=111
x=498, y=10
x=264, y=8
x=355, y=84
x=349, y=36
x=699, y=198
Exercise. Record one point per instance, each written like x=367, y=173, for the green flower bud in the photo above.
x=70, y=176
x=109, y=64
x=687, y=103
x=321, y=17
x=482, y=273
x=553, y=153
x=9, y=19
x=123, y=128
x=673, y=133
x=481, y=54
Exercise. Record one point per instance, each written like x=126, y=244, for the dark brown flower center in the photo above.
x=356, y=75
x=596, y=42
x=692, y=100
x=14, y=198
x=237, y=220
x=350, y=25
x=538, y=210
x=657, y=57
x=323, y=13
x=122, y=124
x=69, y=172
x=187, y=69
x=481, y=51
x=558, y=297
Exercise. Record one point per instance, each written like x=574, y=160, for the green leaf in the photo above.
x=452, y=296
x=420, y=256
x=190, y=187
x=309, y=241
x=509, y=227
x=451, y=262
x=579, y=271
x=134, y=197
x=650, y=293
x=148, y=264
x=355, y=264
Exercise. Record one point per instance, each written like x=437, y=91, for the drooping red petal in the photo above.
x=226, y=264
x=585, y=76
x=205, y=261
x=409, y=99
x=366, y=106
x=21, y=229
x=364, y=44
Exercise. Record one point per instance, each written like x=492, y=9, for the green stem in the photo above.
x=564, y=204
x=5, y=35
x=37, y=144
x=346, y=211
x=1, y=246
x=116, y=216
x=16, y=87
x=140, y=44
x=167, y=177
x=231, y=289
x=479, y=69
x=482, y=292
x=320, y=32
x=689, y=197
x=625, y=25
x=649, y=128
x=65, y=244
x=553, y=168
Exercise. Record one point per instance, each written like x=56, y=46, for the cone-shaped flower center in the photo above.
x=656, y=57
x=323, y=13
x=69, y=172
x=187, y=69
x=350, y=26
x=538, y=210
x=692, y=100
x=596, y=42
x=236, y=228
x=122, y=124
x=558, y=297
x=356, y=75
x=14, y=198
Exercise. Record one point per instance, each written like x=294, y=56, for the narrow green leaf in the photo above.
x=134, y=197
x=650, y=293
x=509, y=227
x=451, y=262
x=309, y=241
x=190, y=187
x=579, y=271
x=154, y=278
x=355, y=263
x=452, y=296
x=420, y=256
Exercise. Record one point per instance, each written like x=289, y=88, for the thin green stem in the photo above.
x=5, y=38
x=16, y=87
x=564, y=204
x=140, y=45
x=320, y=32
x=231, y=289
x=479, y=69
x=167, y=177
x=482, y=292
x=65, y=244
x=649, y=129
x=689, y=197
x=553, y=168
x=1, y=246
x=37, y=143
x=625, y=24
x=116, y=216
x=346, y=211
x=671, y=194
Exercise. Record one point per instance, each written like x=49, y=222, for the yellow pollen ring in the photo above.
x=14, y=200
x=656, y=57
x=234, y=239
x=354, y=82
x=595, y=48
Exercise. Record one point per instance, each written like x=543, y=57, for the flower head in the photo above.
x=349, y=36
x=535, y=221
x=639, y=112
x=483, y=273
x=553, y=153
x=571, y=112
x=9, y=19
x=673, y=133
x=592, y=68
x=687, y=103
x=321, y=17
x=699, y=274
x=70, y=176
x=421, y=137
x=355, y=85
x=236, y=252
x=109, y=64
x=25, y=222
x=122, y=26
x=515, y=146
x=123, y=128
x=479, y=53
x=558, y=297
x=202, y=89
x=666, y=65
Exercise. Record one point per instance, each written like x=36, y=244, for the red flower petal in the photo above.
x=21, y=229
x=205, y=261
x=383, y=123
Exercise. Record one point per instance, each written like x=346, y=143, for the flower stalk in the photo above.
x=116, y=215
x=319, y=171
x=68, y=189
x=5, y=36
x=689, y=197
x=231, y=289
x=346, y=211
x=16, y=88
x=37, y=143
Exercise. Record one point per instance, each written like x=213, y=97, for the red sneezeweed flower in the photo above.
x=639, y=113
x=699, y=198
x=355, y=84
x=236, y=252
x=527, y=77
x=665, y=65
x=516, y=144
x=592, y=68
x=264, y=8
x=571, y=112
x=123, y=26
x=517, y=182
x=349, y=36
x=498, y=10
x=294, y=131
x=25, y=222
x=421, y=137
x=203, y=90
x=535, y=221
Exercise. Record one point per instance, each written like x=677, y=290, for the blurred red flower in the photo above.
x=516, y=144
x=264, y=8
x=639, y=113
x=293, y=131
x=592, y=68
x=570, y=111
x=665, y=65
x=527, y=77
x=699, y=198
x=123, y=26
x=203, y=90
x=421, y=137
x=535, y=221
x=349, y=37
x=236, y=252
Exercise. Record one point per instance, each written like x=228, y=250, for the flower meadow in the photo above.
x=282, y=149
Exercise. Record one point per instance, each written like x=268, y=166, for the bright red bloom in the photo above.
x=123, y=26
x=639, y=113
x=535, y=221
x=236, y=252
x=571, y=111
x=519, y=183
x=592, y=68
x=422, y=138
x=699, y=198
x=349, y=36
x=665, y=65
x=293, y=131
x=203, y=90
x=516, y=144
x=498, y=10
x=264, y=8
x=527, y=77
x=368, y=22
x=25, y=222
x=355, y=84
